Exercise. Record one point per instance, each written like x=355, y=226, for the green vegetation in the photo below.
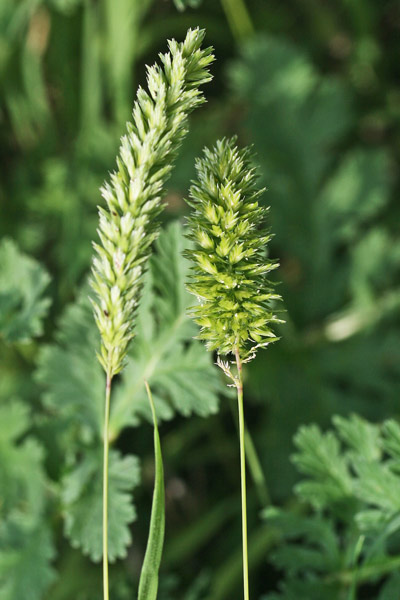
x=313, y=87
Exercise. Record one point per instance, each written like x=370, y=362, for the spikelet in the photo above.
x=230, y=268
x=129, y=224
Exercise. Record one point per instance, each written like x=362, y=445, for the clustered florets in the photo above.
x=129, y=224
x=229, y=276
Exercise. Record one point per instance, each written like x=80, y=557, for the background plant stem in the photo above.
x=239, y=387
x=105, y=487
x=238, y=18
x=254, y=464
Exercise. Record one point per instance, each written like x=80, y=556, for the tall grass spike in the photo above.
x=129, y=223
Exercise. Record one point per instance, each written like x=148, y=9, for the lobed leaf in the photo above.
x=83, y=504
x=341, y=549
x=361, y=436
x=23, y=304
x=25, y=561
x=26, y=547
x=377, y=485
x=319, y=457
x=70, y=374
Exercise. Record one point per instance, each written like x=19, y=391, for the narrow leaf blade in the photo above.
x=148, y=584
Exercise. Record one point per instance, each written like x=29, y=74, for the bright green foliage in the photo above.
x=352, y=534
x=130, y=223
x=26, y=547
x=331, y=199
x=230, y=267
x=320, y=103
x=182, y=375
x=23, y=305
x=83, y=504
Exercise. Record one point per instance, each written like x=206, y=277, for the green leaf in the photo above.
x=26, y=548
x=148, y=584
x=71, y=376
x=22, y=479
x=342, y=549
x=320, y=546
x=363, y=175
x=83, y=504
x=360, y=435
x=320, y=458
x=377, y=485
x=23, y=305
x=391, y=442
x=14, y=420
x=25, y=561
x=375, y=265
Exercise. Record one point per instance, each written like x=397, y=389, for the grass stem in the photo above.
x=254, y=464
x=255, y=468
x=238, y=18
x=105, y=487
x=239, y=387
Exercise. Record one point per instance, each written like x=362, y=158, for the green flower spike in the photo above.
x=129, y=224
x=230, y=274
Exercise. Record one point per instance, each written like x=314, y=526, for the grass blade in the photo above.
x=148, y=584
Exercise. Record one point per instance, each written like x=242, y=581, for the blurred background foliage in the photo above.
x=315, y=87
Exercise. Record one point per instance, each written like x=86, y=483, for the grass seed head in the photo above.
x=129, y=224
x=230, y=267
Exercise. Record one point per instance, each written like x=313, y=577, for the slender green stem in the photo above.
x=238, y=18
x=254, y=465
x=239, y=387
x=105, y=486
